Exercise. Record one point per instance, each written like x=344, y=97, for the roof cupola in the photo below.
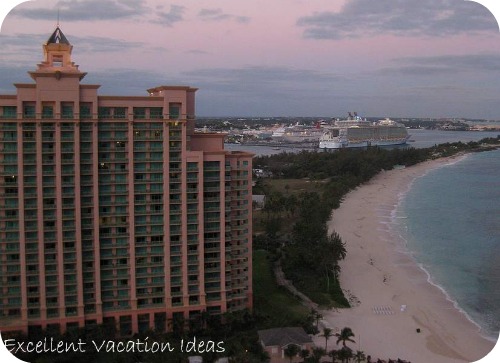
x=57, y=57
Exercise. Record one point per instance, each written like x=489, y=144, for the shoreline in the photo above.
x=392, y=294
x=393, y=229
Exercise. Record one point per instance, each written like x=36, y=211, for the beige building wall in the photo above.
x=113, y=210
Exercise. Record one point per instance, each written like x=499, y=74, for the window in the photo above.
x=156, y=112
x=104, y=112
x=9, y=111
x=174, y=110
x=156, y=197
x=29, y=110
x=67, y=110
x=57, y=61
x=139, y=113
x=85, y=111
x=29, y=135
x=120, y=112
x=47, y=111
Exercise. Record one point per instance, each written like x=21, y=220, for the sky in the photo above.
x=318, y=58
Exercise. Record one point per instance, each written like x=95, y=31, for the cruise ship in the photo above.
x=298, y=133
x=357, y=132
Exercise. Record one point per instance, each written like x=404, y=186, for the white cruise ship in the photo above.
x=356, y=132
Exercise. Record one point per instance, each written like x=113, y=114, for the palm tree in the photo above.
x=338, y=245
x=333, y=250
x=317, y=353
x=345, y=353
x=317, y=316
x=333, y=354
x=345, y=335
x=304, y=353
x=291, y=351
x=327, y=333
x=359, y=356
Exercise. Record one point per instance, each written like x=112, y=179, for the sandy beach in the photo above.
x=392, y=296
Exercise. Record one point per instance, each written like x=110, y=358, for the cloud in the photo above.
x=264, y=74
x=219, y=15
x=13, y=74
x=173, y=16
x=25, y=49
x=257, y=80
x=93, y=44
x=445, y=65
x=22, y=49
x=128, y=82
x=224, y=91
x=85, y=10
x=261, y=90
x=359, y=18
x=196, y=51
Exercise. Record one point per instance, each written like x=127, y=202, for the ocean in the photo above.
x=419, y=139
x=450, y=219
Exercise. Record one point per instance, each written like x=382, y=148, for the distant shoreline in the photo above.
x=379, y=272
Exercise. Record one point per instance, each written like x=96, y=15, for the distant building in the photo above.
x=259, y=200
x=113, y=210
x=275, y=341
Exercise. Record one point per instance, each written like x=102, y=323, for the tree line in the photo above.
x=309, y=255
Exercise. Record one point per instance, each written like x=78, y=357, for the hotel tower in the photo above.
x=113, y=209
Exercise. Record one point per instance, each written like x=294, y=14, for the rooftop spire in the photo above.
x=57, y=58
x=58, y=37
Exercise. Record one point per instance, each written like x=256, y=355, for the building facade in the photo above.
x=113, y=210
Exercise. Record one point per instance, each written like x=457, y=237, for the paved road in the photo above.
x=282, y=281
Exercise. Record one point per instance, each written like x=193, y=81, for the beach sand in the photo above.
x=382, y=280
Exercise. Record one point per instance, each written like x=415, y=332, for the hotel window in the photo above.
x=139, y=113
x=104, y=112
x=9, y=112
x=67, y=110
x=85, y=111
x=156, y=112
x=29, y=135
x=28, y=110
x=174, y=110
x=47, y=111
x=120, y=112
x=120, y=199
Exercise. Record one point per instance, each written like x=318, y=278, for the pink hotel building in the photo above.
x=113, y=209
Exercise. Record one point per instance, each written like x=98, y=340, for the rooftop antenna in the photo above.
x=58, y=10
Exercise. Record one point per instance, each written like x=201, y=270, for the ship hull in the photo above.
x=357, y=133
x=341, y=144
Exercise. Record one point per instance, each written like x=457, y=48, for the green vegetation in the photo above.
x=300, y=196
x=274, y=305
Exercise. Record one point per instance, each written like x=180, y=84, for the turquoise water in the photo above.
x=452, y=227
